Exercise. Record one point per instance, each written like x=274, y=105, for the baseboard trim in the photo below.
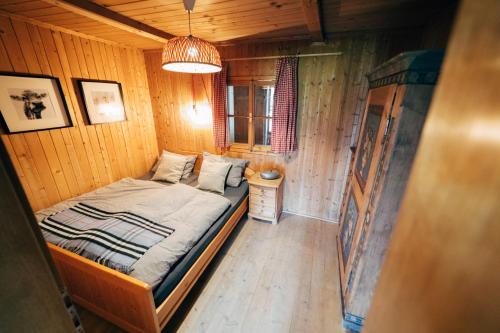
x=312, y=217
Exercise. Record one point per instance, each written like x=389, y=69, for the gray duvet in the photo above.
x=186, y=209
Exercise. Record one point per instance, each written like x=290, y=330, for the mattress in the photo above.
x=236, y=195
x=190, y=212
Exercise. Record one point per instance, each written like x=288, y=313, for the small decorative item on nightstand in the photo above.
x=266, y=198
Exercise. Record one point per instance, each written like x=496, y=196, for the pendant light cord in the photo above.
x=205, y=88
x=189, y=20
x=193, y=92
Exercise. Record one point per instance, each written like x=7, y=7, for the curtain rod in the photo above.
x=281, y=56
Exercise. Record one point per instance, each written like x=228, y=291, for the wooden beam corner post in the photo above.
x=313, y=19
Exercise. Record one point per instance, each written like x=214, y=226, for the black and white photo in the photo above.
x=31, y=103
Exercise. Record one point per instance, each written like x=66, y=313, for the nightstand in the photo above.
x=266, y=198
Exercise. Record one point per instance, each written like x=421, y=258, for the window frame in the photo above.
x=251, y=83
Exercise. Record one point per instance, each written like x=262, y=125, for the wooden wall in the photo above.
x=172, y=97
x=58, y=164
x=332, y=91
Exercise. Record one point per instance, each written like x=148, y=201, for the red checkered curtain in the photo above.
x=220, y=122
x=285, y=106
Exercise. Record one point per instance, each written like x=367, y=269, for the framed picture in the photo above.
x=348, y=227
x=31, y=102
x=102, y=100
x=370, y=131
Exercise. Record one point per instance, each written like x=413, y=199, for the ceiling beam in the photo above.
x=114, y=19
x=313, y=19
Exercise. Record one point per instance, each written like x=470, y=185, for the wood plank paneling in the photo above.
x=223, y=20
x=48, y=13
x=58, y=164
x=280, y=279
x=332, y=91
x=215, y=20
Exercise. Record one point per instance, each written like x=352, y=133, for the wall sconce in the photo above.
x=199, y=115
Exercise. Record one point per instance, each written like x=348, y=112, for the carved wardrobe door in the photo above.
x=367, y=157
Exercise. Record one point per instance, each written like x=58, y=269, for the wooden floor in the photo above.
x=266, y=278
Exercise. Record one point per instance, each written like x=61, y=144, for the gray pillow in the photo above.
x=237, y=170
x=213, y=175
x=170, y=168
x=189, y=165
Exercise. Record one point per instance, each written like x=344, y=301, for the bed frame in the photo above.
x=124, y=300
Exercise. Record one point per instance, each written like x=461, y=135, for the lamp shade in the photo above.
x=190, y=55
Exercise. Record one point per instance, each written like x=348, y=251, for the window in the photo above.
x=250, y=107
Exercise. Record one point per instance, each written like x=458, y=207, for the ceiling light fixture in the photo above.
x=189, y=54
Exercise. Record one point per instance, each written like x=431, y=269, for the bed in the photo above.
x=132, y=304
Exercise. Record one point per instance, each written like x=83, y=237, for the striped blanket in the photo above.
x=114, y=239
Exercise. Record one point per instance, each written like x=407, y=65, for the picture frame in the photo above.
x=32, y=102
x=102, y=101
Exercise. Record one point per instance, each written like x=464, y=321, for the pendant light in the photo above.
x=189, y=54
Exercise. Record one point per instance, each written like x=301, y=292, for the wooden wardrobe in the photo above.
x=399, y=97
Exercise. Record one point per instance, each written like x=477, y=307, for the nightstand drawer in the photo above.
x=268, y=193
x=262, y=211
x=262, y=201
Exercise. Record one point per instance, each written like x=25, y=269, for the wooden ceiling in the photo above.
x=148, y=23
x=48, y=12
x=214, y=20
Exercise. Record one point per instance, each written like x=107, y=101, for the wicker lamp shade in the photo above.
x=190, y=55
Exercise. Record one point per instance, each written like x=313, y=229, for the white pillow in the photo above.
x=213, y=175
x=237, y=170
x=170, y=168
x=189, y=165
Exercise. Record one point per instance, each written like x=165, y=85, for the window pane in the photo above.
x=238, y=130
x=263, y=128
x=264, y=96
x=237, y=100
